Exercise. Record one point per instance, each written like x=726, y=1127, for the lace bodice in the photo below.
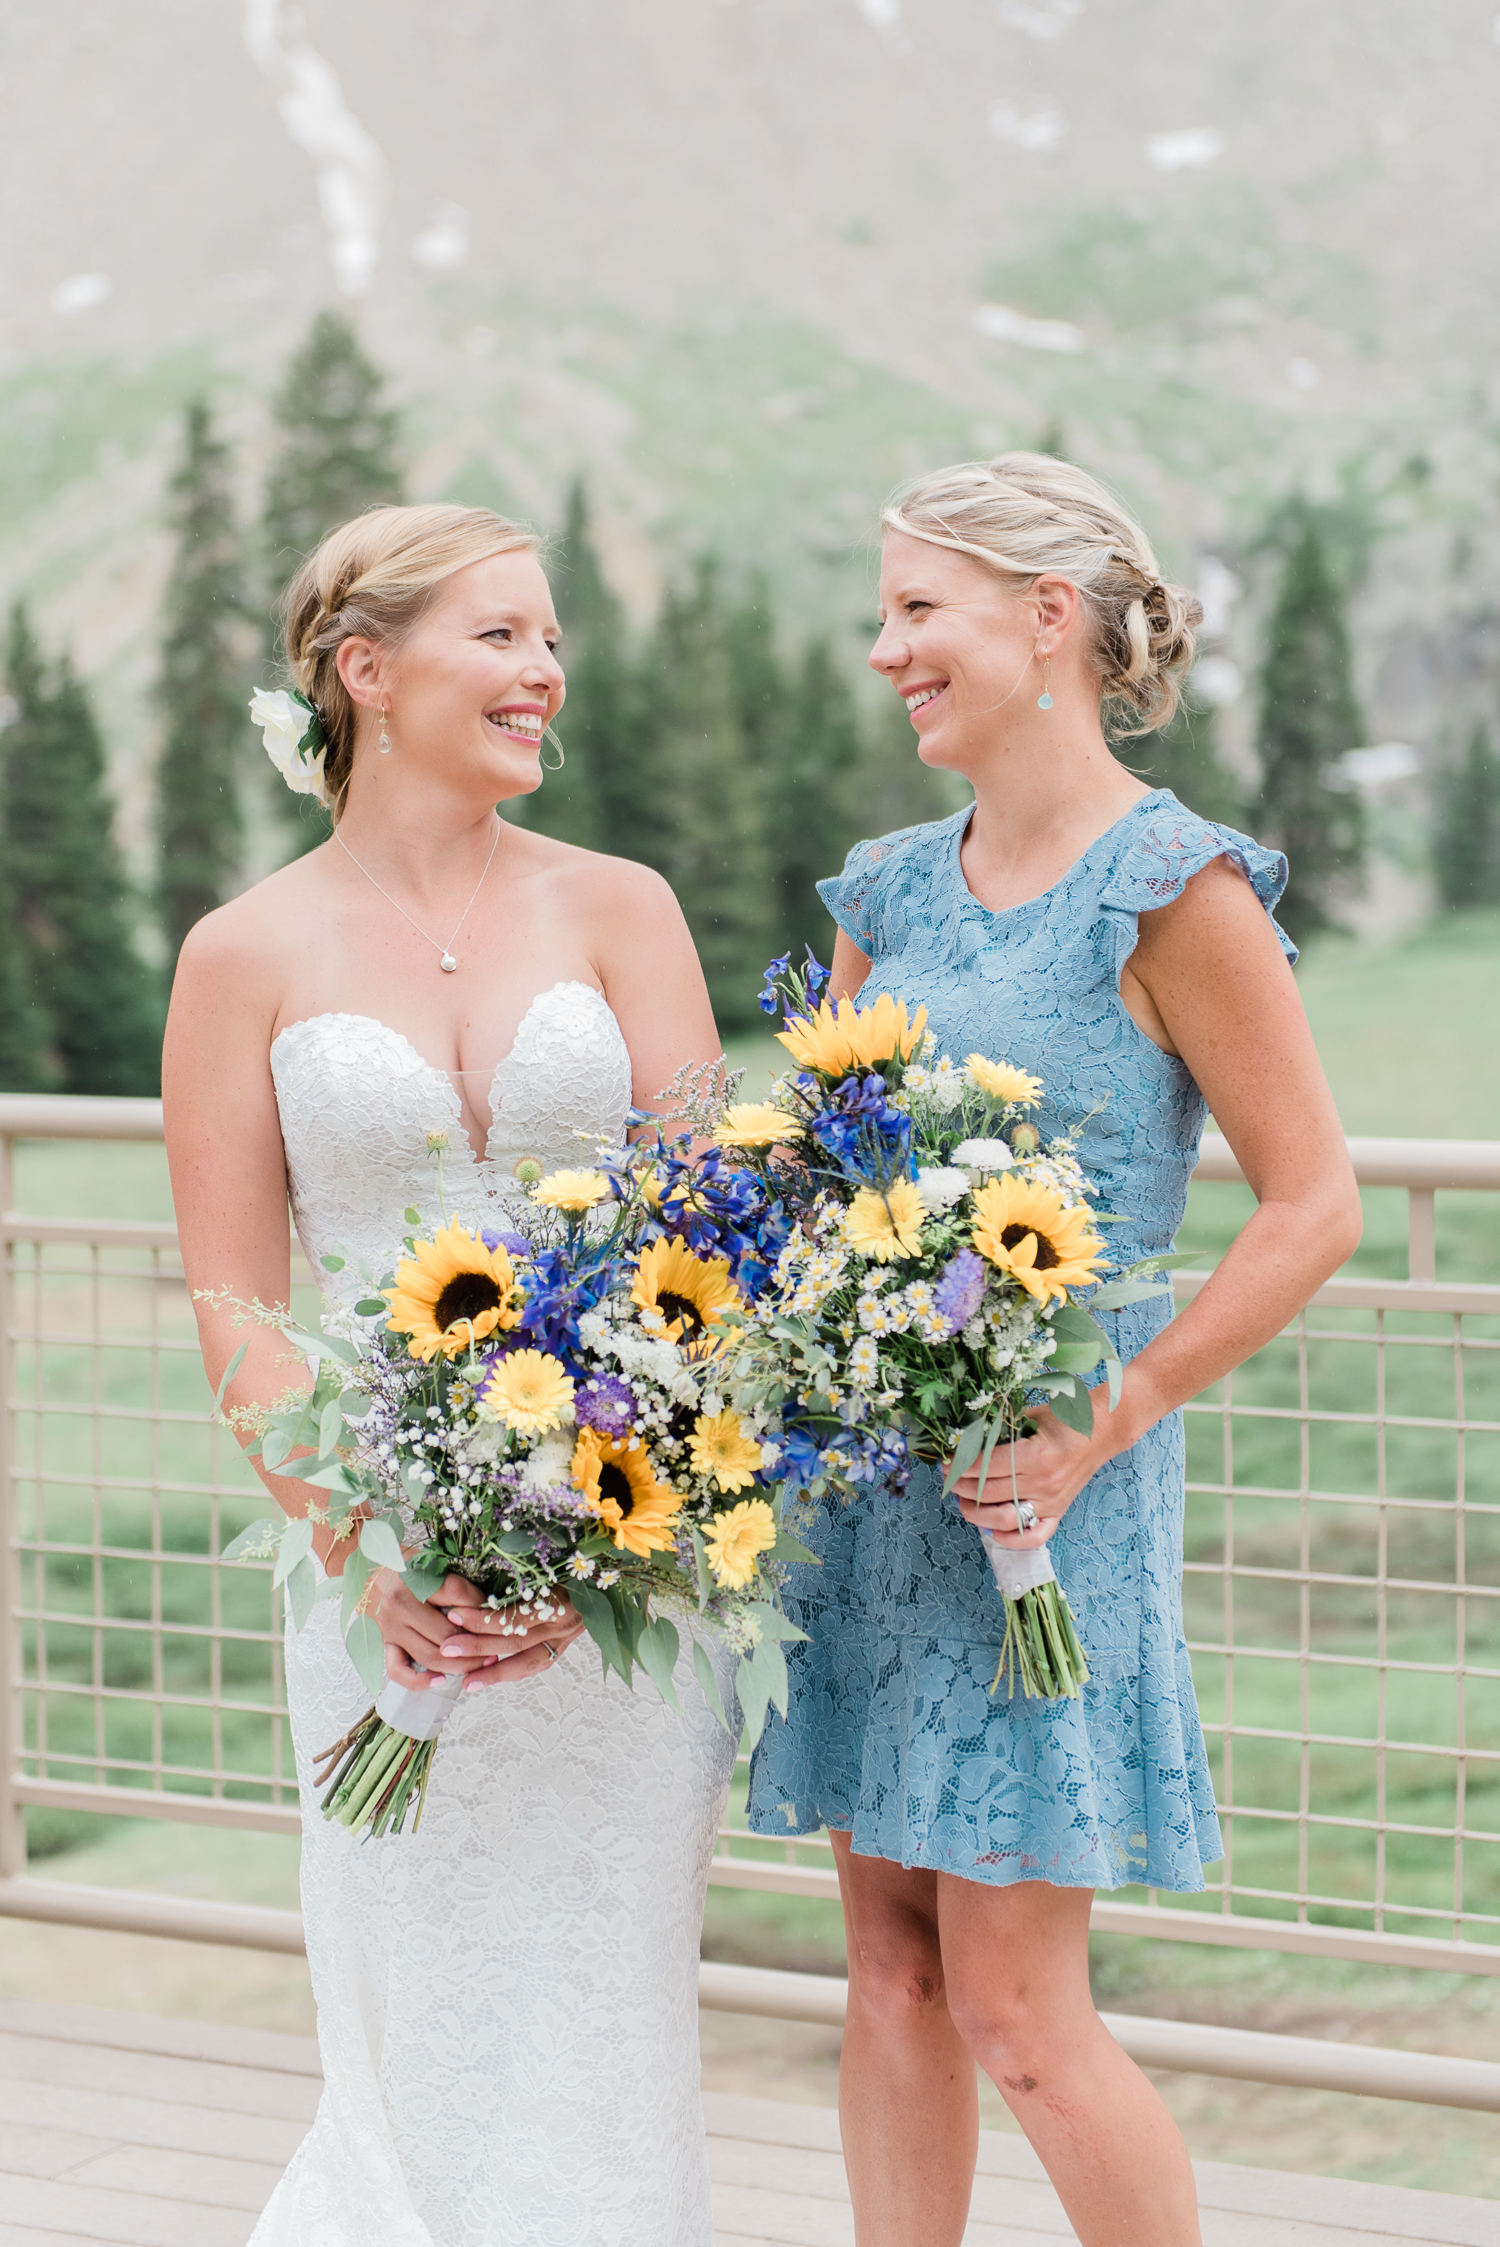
x=358, y=1101
x=892, y=1733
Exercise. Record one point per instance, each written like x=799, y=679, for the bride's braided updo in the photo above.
x=371, y=580
x=1026, y=515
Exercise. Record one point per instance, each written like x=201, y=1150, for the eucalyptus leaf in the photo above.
x=381, y=1546
x=357, y=1573
x=1117, y=1293
x=1075, y=1409
x=965, y=1452
x=330, y=1427
x=703, y=1670
x=230, y=1371
x=354, y=1404
x=753, y=1687
x=274, y=1446
x=1076, y=1357
x=370, y=1306
x=773, y=1623
x=424, y=1577
x=1072, y=1323
x=413, y=1217
x=770, y=1659
x=788, y=1547
x=657, y=1652
x=261, y=1541
x=700, y=1562
x=332, y=1263
x=1116, y=1379
x=296, y=1544
x=302, y=1591
x=367, y=1651
x=599, y=1622
x=514, y=1541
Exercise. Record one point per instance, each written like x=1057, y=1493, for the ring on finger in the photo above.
x=1026, y=1513
x=551, y=1649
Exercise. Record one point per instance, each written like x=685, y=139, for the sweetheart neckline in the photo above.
x=444, y=1076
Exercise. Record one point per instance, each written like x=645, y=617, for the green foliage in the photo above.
x=1466, y=833
x=703, y=795
x=1184, y=757
x=201, y=692
x=814, y=817
x=1308, y=718
x=338, y=451
x=594, y=800
x=65, y=886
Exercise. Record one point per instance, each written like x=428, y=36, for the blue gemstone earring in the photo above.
x=1044, y=699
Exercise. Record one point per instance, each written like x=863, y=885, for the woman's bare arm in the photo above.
x=1224, y=999
x=650, y=972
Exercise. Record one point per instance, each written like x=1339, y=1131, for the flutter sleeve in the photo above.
x=1162, y=855
x=853, y=897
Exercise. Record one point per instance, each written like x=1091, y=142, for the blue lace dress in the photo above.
x=891, y=1732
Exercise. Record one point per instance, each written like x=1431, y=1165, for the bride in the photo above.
x=506, y=1998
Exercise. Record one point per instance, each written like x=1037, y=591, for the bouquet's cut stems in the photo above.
x=1041, y=1651
x=375, y=1771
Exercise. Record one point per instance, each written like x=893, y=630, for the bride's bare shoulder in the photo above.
x=258, y=933
x=593, y=885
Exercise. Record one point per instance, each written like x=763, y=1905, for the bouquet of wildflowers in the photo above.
x=942, y=1278
x=544, y=1414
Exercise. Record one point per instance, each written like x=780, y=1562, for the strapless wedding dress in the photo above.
x=507, y=1999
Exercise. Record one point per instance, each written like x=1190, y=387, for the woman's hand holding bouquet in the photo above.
x=937, y=1297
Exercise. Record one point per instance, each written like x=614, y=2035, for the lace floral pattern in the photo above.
x=507, y=1999
x=891, y=1732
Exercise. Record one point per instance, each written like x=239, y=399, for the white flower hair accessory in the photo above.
x=295, y=742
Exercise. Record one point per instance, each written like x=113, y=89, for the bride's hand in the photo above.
x=508, y=1657
x=414, y=1633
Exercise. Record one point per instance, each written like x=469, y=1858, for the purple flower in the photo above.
x=607, y=1403
x=960, y=1291
x=516, y=1243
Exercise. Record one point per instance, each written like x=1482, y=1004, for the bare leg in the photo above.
x=908, y=2098
x=1017, y=1980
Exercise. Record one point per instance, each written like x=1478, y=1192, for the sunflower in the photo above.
x=529, y=1391
x=573, y=1190
x=678, y=1293
x=885, y=1225
x=1002, y=1082
x=615, y=1477
x=719, y=1446
x=452, y=1292
x=832, y=1042
x=733, y=1540
x=755, y=1124
x=1029, y=1231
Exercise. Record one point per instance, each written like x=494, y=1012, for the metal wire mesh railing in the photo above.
x=1342, y=1588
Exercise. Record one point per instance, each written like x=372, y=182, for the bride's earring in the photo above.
x=549, y=735
x=1044, y=699
x=383, y=744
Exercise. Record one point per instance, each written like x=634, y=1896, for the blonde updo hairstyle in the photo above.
x=371, y=580
x=1026, y=515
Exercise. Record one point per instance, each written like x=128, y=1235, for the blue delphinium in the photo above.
x=607, y=1403
x=866, y=1137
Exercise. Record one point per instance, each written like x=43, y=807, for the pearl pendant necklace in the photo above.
x=446, y=961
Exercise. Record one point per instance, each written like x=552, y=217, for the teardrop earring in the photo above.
x=383, y=744
x=1044, y=699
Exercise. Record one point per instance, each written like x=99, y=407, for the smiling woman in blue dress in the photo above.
x=1091, y=929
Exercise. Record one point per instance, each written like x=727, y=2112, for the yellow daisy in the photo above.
x=452, y=1291
x=756, y=1124
x=885, y=1225
x=719, y=1446
x=1029, y=1231
x=530, y=1391
x=834, y=1041
x=1002, y=1082
x=573, y=1190
x=733, y=1540
x=678, y=1294
x=615, y=1478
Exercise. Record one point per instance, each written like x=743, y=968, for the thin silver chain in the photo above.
x=445, y=951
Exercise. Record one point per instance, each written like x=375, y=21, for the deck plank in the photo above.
x=122, y=2131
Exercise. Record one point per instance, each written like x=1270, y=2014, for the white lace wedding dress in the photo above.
x=507, y=2000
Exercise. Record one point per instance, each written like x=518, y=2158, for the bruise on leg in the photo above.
x=1019, y=2082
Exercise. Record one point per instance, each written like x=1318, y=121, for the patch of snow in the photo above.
x=1302, y=374
x=443, y=242
x=1373, y=768
x=1218, y=590
x=1049, y=20
x=1177, y=152
x=348, y=166
x=1038, y=134
x=1002, y=325
x=81, y=293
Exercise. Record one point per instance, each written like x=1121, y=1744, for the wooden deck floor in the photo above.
x=135, y=2132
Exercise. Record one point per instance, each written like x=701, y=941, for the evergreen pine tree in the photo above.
x=1308, y=718
x=23, y=1056
x=338, y=446
x=65, y=885
x=595, y=800
x=1466, y=837
x=1184, y=757
x=338, y=456
x=198, y=823
x=894, y=788
x=703, y=801
x=812, y=814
